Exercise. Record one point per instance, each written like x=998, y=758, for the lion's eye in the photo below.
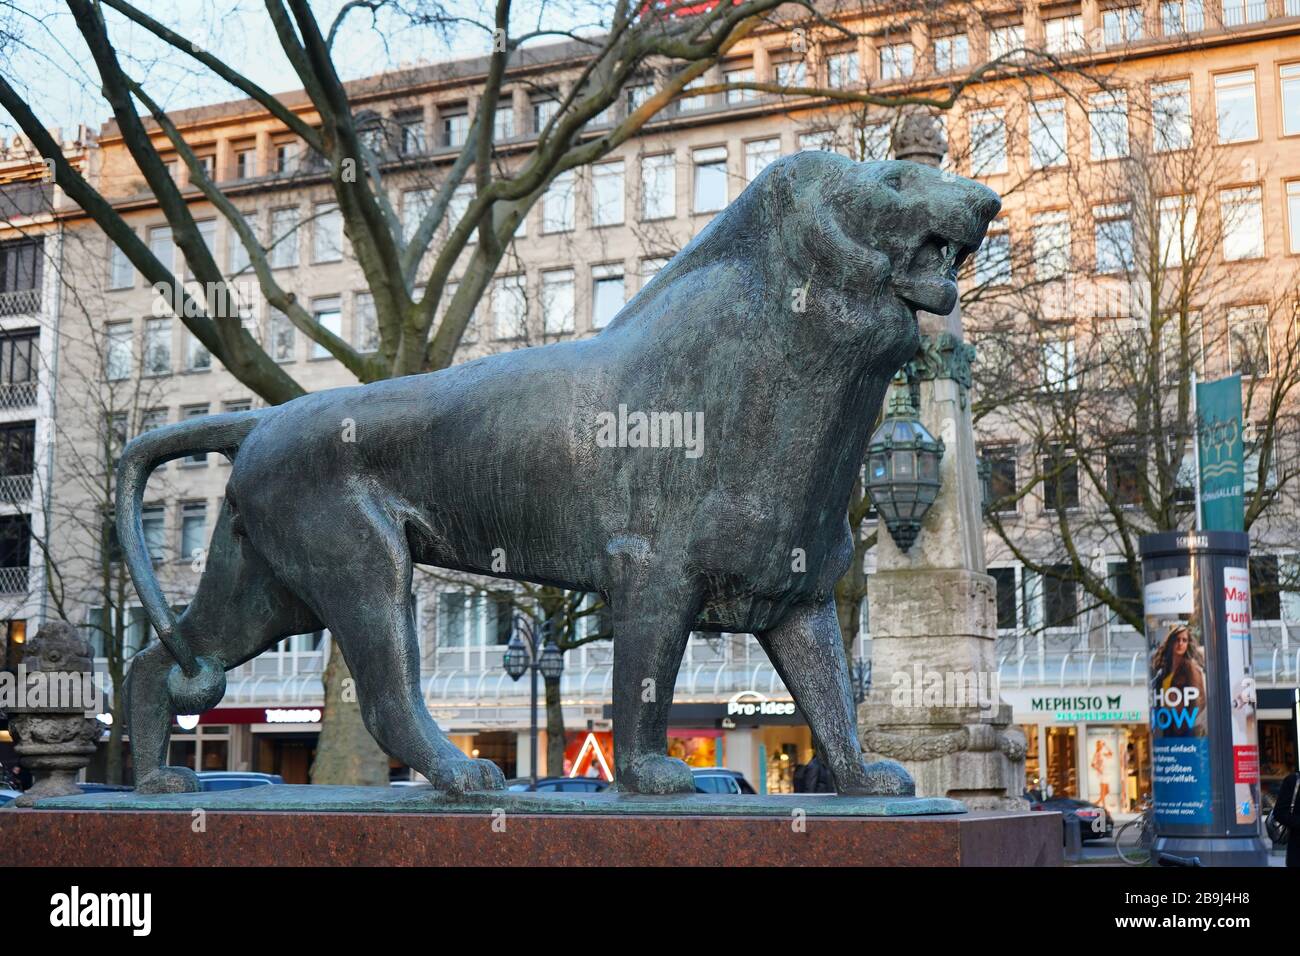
x=893, y=180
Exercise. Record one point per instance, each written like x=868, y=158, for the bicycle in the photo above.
x=1141, y=831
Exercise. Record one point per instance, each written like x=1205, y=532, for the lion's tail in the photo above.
x=195, y=684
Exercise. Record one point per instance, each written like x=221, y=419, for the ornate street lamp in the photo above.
x=531, y=649
x=903, y=469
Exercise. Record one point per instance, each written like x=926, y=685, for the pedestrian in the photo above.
x=1287, y=812
x=816, y=777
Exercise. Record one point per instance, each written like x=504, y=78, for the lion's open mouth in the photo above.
x=929, y=282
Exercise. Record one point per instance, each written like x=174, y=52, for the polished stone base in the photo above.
x=306, y=826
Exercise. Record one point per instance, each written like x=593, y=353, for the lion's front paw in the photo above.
x=882, y=778
x=465, y=776
x=655, y=773
x=168, y=780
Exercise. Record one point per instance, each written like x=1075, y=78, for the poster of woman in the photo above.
x=1103, y=768
x=1178, y=682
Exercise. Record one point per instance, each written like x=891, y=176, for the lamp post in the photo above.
x=532, y=649
x=903, y=469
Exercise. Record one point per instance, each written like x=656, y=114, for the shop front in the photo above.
x=764, y=738
x=1279, y=738
x=280, y=740
x=1091, y=743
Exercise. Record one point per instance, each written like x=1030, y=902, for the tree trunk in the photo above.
x=556, y=738
x=346, y=754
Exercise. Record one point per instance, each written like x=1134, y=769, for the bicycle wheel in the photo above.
x=1136, y=851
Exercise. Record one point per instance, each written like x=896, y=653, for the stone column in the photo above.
x=934, y=703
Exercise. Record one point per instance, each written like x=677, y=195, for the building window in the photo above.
x=557, y=204
x=1177, y=227
x=245, y=163
x=1234, y=99
x=197, y=356
x=327, y=233
x=286, y=157
x=473, y=619
x=638, y=96
x=1047, y=133
x=1001, y=462
x=760, y=154
x=710, y=179
x=162, y=247
x=411, y=132
x=189, y=413
x=365, y=322
x=283, y=337
x=194, y=529
x=1113, y=238
x=1248, y=341
x=1182, y=16
x=897, y=61
x=737, y=96
x=873, y=141
x=1176, y=368
x=158, y=347
x=153, y=519
x=689, y=104
x=1060, y=479
x=121, y=274
x=1290, y=82
x=1124, y=476
x=509, y=307
x=1243, y=223
x=328, y=313
x=1238, y=12
x=455, y=127
x=791, y=73
x=1008, y=41
x=988, y=143
x=607, y=294
x=1293, y=214
x=658, y=187
x=820, y=139
x=117, y=361
x=607, y=194
x=1060, y=367
x=951, y=53
x=461, y=197
x=842, y=70
x=993, y=259
x=1265, y=589
x=503, y=124
x=207, y=230
x=1005, y=597
x=1122, y=25
x=1051, y=245
x=1171, y=115
x=284, y=237
x=543, y=112
x=557, y=301
x=1060, y=596
x=237, y=259
x=1108, y=119
x=651, y=267
x=1064, y=34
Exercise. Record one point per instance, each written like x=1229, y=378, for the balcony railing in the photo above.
x=15, y=489
x=1236, y=15
x=13, y=580
x=20, y=302
x=17, y=395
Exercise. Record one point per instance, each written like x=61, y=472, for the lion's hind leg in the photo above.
x=238, y=611
x=365, y=600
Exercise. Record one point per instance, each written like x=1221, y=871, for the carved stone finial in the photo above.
x=919, y=137
x=53, y=736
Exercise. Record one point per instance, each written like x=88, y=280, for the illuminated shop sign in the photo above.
x=305, y=715
x=750, y=703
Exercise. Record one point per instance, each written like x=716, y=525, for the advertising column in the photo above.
x=1204, y=745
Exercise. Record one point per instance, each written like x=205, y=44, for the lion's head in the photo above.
x=895, y=231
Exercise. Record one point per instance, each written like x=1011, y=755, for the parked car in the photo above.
x=1094, y=822
x=213, y=780
x=720, y=780
x=560, y=784
x=8, y=796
